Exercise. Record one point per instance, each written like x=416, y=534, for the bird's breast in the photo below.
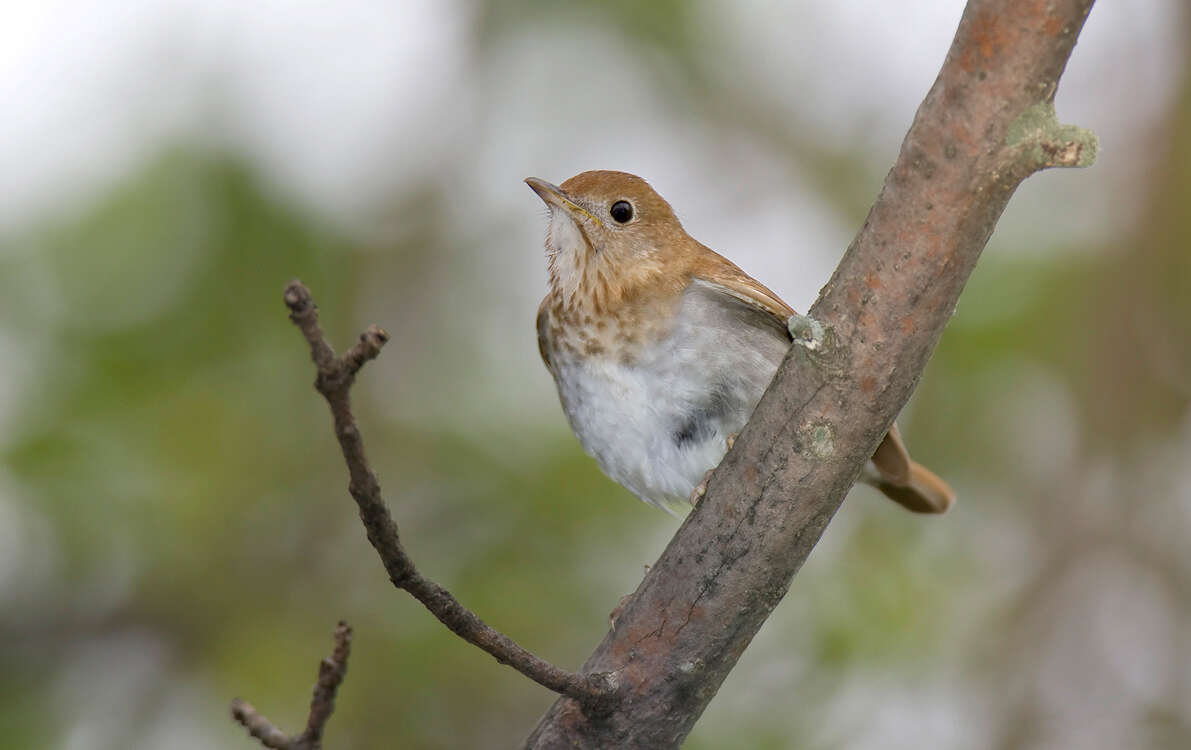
x=655, y=403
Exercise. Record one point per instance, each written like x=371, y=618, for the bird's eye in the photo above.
x=622, y=211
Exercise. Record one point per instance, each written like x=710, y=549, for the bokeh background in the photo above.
x=174, y=525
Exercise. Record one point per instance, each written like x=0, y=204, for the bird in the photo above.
x=660, y=348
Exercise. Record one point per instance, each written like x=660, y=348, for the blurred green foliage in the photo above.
x=174, y=442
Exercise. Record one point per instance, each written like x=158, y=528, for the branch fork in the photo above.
x=595, y=692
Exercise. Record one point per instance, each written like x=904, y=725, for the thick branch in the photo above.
x=330, y=675
x=594, y=691
x=986, y=124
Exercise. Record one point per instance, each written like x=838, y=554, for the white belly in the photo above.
x=658, y=424
x=628, y=419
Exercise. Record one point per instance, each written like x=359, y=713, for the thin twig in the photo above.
x=322, y=704
x=595, y=692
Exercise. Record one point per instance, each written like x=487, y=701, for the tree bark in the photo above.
x=986, y=124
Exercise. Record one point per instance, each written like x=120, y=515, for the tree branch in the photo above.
x=595, y=691
x=986, y=124
x=330, y=674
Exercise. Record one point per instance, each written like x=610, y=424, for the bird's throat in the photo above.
x=569, y=258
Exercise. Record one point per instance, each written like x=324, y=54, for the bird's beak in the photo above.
x=555, y=197
x=548, y=192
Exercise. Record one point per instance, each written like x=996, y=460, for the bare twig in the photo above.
x=330, y=675
x=986, y=124
x=595, y=692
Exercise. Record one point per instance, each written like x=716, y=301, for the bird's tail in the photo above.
x=923, y=492
x=906, y=482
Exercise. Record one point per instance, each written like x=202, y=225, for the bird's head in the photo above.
x=607, y=227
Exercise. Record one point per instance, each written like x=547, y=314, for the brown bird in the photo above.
x=661, y=348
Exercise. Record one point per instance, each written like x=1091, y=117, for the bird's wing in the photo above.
x=724, y=276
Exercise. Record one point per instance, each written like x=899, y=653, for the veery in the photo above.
x=661, y=348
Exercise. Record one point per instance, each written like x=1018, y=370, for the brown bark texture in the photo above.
x=986, y=124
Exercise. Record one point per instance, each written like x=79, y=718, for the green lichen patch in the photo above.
x=818, y=439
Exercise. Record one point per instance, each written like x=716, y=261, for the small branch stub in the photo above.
x=1045, y=142
x=806, y=331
